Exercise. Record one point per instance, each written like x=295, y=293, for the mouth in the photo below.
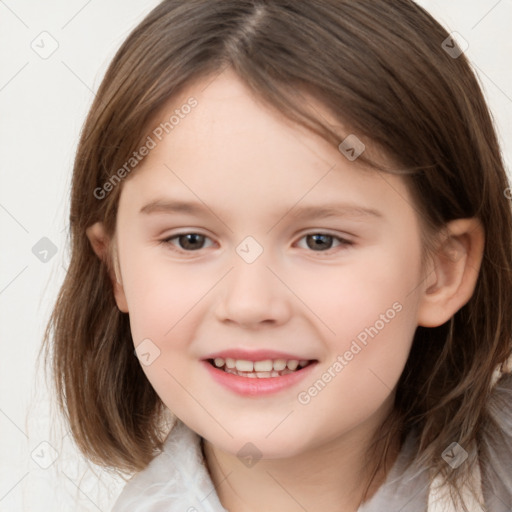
x=263, y=369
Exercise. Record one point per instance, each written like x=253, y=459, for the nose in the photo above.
x=253, y=295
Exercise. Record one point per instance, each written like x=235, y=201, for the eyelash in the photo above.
x=343, y=242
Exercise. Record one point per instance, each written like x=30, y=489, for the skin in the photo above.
x=250, y=166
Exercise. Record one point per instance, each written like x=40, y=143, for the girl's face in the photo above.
x=283, y=260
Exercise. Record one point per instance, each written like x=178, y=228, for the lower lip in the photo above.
x=255, y=386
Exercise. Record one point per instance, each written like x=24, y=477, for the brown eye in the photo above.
x=188, y=241
x=322, y=242
x=319, y=241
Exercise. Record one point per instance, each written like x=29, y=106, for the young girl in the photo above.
x=261, y=370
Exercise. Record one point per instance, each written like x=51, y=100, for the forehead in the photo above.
x=233, y=148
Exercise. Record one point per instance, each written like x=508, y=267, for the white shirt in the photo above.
x=177, y=480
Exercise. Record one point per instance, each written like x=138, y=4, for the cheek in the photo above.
x=165, y=302
x=160, y=294
x=371, y=291
x=162, y=301
x=360, y=374
x=370, y=310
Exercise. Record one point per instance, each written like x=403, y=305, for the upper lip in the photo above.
x=255, y=355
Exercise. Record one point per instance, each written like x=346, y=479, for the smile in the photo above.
x=258, y=378
x=263, y=369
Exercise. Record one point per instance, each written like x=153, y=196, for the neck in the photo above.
x=329, y=477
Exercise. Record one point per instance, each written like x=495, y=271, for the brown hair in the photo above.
x=380, y=68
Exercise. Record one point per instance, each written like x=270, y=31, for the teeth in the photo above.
x=279, y=364
x=263, y=366
x=244, y=366
x=292, y=364
x=258, y=375
x=260, y=369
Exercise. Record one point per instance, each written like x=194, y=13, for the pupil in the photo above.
x=192, y=237
x=319, y=239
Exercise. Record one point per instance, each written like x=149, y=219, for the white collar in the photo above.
x=438, y=500
x=178, y=479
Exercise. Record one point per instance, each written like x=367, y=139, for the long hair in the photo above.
x=382, y=69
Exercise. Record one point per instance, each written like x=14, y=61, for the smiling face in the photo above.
x=257, y=263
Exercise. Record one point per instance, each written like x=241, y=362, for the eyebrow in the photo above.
x=311, y=212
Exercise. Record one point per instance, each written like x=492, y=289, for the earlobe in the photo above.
x=101, y=244
x=453, y=274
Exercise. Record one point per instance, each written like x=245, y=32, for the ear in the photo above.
x=101, y=245
x=452, y=276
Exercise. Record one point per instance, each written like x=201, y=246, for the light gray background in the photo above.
x=43, y=103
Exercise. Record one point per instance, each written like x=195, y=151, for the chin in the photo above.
x=258, y=443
